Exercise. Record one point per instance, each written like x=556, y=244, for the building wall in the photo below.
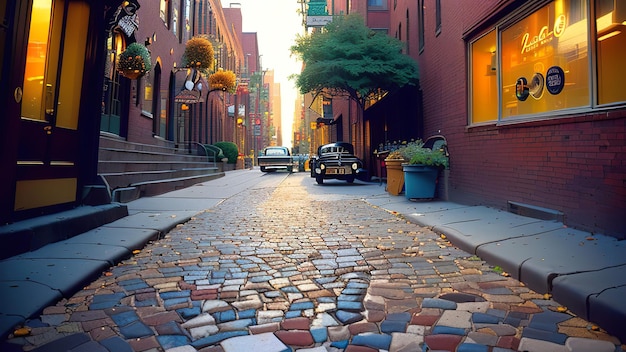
x=575, y=164
x=167, y=50
x=398, y=19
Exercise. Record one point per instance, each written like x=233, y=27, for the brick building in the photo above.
x=527, y=94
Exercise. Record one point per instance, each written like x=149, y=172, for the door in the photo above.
x=50, y=102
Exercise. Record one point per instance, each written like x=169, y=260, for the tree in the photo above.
x=347, y=57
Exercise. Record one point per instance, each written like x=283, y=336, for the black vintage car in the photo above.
x=336, y=161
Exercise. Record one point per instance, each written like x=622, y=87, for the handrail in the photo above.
x=215, y=151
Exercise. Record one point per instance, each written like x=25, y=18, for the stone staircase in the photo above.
x=134, y=170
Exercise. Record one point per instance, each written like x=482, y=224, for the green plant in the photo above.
x=426, y=156
x=416, y=154
x=405, y=150
x=136, y=58
x=229, y=149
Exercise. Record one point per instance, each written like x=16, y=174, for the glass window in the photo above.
x=437, y=17
x=420, y=28
x=377, y=4
x=483, y=79
x=611, y=41
x=163, y=10
x=175, y=21
x=111, y=100
x=148, y=92
x=39, y=85
x=544, y=61
x=163, y=117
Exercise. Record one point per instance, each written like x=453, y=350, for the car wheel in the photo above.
x=319, y=180
x=290, y=169
x=350, y=179
x=263, y=169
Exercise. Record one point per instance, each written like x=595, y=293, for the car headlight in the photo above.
x=322, y=166
x=355, y=166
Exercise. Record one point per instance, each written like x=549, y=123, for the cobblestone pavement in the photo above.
x=276, y=270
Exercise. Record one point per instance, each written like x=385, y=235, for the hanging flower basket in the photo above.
x=223, y=80
x=134, y=62
x=132, y=74
x=198, y=54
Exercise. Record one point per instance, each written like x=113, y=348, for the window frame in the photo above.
x=510, y=20
x=420, y=26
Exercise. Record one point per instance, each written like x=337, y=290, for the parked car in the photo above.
x=274, y=158
x=336, y=161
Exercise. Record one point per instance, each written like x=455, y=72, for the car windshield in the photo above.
x=275, y=151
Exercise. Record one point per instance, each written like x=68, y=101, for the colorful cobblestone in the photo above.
x=274, y=271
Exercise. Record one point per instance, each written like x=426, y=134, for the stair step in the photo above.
x=133, y=169
x=159, y=186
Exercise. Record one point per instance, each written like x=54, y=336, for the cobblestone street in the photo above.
x=279, y=269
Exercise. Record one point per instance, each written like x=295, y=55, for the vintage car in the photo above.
x=336, y=161
x=274, y=158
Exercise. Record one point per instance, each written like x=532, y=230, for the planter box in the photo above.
x=395, y=176
x=420, y=181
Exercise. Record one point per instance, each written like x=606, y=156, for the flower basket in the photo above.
x=132, y=74
x=134, y=62
x=198, y=54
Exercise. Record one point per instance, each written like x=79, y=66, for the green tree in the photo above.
x=347, y=57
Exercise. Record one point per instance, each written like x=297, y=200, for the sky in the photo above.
x=276, y=23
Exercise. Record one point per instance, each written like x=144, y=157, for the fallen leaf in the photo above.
x=23, y=331
x=561, y=309
x=137, y=251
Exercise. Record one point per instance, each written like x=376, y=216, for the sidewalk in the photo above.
x=584, y=272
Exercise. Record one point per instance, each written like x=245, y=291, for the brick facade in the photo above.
x=575, y=164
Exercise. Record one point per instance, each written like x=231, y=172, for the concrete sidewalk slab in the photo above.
x=22, y=300
x=66, y=276
x=597, y=296
x=72, y=250
x=165, y=204
x=162, y=221
x=35, y=233
x=537, y=260
x=128, y=238
x=415, y=209
x=472, y=234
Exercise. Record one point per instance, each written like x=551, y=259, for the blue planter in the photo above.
x=420, y=181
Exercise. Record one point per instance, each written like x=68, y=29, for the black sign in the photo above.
x=555, y=80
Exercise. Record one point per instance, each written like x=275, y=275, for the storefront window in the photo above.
x=163, y=10
x=483, y=80
x=544, y=61
x=611, y=41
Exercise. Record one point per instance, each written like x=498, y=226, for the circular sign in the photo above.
x=555, y=80
x=536, y=85
x=521, y=89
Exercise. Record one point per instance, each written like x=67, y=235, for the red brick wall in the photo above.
x=573, y=164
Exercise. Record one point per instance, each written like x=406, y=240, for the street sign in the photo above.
x=257, y=130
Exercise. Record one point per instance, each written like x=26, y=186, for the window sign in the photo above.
x=546, y=51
